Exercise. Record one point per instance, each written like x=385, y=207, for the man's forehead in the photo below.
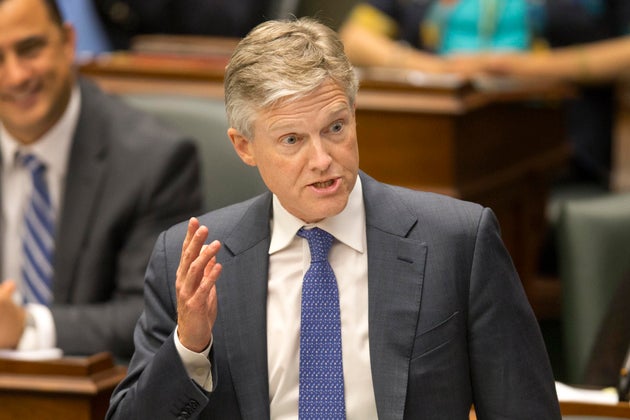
x=295, y=113
x=327, y=94
x=18, y=27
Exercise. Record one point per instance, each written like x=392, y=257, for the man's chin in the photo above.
x=24, y=128
x=316, y=214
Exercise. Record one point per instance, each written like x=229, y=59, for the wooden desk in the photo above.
x=68, y=388
x=621, y=410
x=586, y=410
x=495, y=147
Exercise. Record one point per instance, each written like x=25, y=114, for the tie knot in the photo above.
x=319, y=242
x=31, y=162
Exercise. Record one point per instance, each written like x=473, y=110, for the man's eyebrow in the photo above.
x=281, y=126
x=31, y=41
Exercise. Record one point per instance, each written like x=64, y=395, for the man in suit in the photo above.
x=430, y=313
x=114, y=179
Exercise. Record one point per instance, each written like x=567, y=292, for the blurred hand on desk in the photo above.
x=12, y=317
x=591, y=63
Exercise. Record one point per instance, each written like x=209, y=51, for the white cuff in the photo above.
x=39, y=332
x=197, y=364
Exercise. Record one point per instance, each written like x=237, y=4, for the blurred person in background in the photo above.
x=87, y=183
x=590, y=47
x=123, y=19
x=410, y=34
x=418, y=34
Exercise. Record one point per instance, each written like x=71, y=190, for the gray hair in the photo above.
x=283, y=60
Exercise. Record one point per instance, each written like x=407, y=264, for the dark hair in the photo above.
x=53, y=10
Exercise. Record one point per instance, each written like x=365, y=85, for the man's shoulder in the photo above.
x=427, y=200
x=427, y=214
x=416, y=201
x=122, y=121
x=248, y=215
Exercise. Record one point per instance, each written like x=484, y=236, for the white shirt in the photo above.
x=53, y=149
x=289, y=259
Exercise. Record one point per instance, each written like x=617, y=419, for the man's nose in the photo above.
x=320, y=155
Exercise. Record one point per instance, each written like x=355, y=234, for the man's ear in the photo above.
x=70, y=40
x=242, y=146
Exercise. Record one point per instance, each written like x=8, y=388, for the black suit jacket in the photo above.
x=129, y=177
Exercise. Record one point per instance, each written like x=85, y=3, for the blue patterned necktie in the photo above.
x=321, y=364
x=38, y=238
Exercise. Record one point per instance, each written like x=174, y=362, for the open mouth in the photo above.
x=324, y=184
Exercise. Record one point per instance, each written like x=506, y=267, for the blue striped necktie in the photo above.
x=321, y=393
x=38, y=237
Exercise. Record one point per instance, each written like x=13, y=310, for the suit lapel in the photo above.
x=83, y=179
x=244, y=311
x=395, y=274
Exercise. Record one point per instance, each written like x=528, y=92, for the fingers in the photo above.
x=204, y=293
x=196, y=260
x=193, y=225
x=7, y=288
x=197, y=268
x=196, y=297
x=191, y=247
x=188, y=254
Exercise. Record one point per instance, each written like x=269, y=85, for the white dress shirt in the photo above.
x=53, y=149
x=289, y=259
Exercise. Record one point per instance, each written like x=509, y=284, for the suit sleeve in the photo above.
x=510, y=370
x=157, y=384
x=169, y=192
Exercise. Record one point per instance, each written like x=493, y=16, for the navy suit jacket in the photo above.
x=449, y=323
x=129, y=177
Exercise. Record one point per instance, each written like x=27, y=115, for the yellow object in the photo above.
x=374, y=20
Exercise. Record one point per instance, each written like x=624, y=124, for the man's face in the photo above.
x=306, y=151
x=36, y=58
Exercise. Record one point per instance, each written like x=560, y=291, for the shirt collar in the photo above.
x=348, y=226
x=53, y=147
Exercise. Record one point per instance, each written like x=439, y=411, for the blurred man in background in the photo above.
x=87, y=184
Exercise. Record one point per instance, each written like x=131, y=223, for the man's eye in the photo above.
x=289, y=140
x=30, y=48
x=336, y=127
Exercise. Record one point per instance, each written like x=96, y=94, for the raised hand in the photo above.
x=197, y=274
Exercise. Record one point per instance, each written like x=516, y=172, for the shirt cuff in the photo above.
x=197, y=365
x=39, y=332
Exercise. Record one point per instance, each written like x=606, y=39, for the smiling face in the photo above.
x=36, y=76
x=306, y=151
